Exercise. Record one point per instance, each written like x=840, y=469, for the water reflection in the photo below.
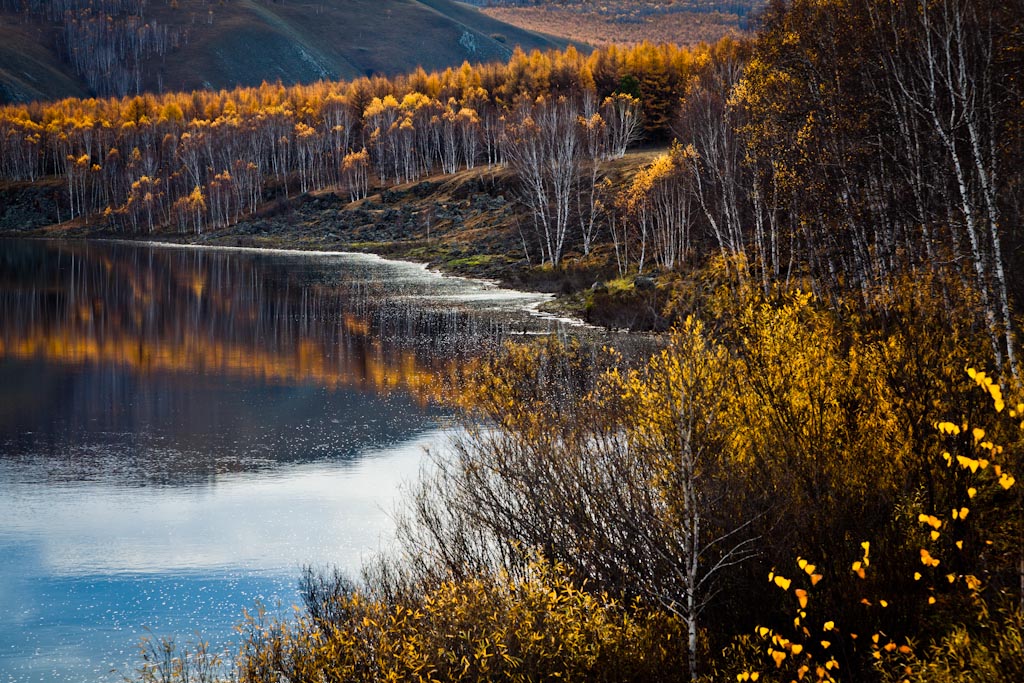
x=336, y=321
x=181, y=429
x=164, y=365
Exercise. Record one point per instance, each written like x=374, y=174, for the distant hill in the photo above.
x=78, y=48
x=628, y=22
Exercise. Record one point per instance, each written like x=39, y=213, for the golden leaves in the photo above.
x=986, y=382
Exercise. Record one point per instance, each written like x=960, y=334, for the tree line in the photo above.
x=852, y=143
x=193, y=160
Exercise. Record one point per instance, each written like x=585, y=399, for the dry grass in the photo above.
x=578, y=24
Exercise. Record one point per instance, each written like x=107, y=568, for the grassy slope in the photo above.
x=574, y=24
x=249, y=41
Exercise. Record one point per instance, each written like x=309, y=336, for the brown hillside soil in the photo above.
x=465, y=224
x=581, y=25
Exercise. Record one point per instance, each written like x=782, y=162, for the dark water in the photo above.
x=182, y=429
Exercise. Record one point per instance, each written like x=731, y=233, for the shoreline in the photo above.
x=532, y=307
x=460, y=225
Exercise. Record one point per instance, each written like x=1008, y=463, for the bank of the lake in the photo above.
x=465, y=224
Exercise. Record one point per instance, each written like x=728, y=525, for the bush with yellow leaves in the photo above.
x=487, y=628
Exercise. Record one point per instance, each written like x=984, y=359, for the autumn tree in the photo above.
x=355, y=174
x=657, y=205
x=675, y=423
x=544, y=148
x=884, y=151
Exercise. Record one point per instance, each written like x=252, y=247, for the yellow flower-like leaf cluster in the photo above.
x=986, y=383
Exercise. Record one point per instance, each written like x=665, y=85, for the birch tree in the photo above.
x=544, y=148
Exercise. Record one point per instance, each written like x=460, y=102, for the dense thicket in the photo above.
x=777, y=439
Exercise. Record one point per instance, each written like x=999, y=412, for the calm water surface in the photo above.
x=182, y=429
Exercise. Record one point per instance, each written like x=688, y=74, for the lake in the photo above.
x=182, y=429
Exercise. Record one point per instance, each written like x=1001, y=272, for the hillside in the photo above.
x=119, y=47
x=628, y=22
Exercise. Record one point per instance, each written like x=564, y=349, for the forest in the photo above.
x=815, y=480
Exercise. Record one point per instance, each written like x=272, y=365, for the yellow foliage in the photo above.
x=482, y=629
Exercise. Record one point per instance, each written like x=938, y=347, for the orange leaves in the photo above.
x=804, y=646
x=927, y=559
x=986, y=383
x=864, y=562
x=973, y=464
x=809, y=569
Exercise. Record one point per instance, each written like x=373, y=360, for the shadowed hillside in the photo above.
x=65, y=48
